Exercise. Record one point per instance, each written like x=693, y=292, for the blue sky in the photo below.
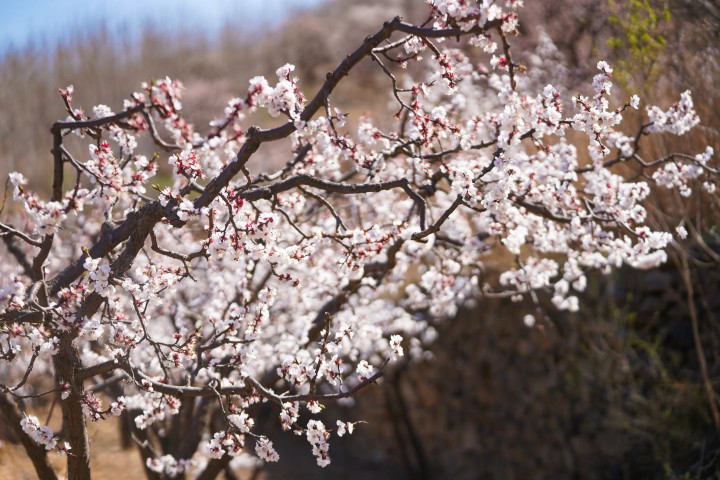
x=22, y=21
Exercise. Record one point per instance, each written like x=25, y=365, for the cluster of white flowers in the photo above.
x=469, y=14
x=677, y=175
x=241, y=421
x=289, y=414
x=144, y=170
x=284, y=98
x=154, y=406
x=680, y=175
x=395, y=349
x=13, y=293
x=99, y=275
x=226, y=443
x=678, y=119
x=40, y=435
x=186, y=163
x=340, y=258
x=45, y=217
x=344, y=427
x=318, y=437
x=169, y=465
x=41, y=342
x=264, y=449
x=364, y=370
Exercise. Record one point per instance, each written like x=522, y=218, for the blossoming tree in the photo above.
x=237, y=284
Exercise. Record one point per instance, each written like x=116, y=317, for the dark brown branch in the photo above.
x=19, y=255
x=445, y=32
x=434, y=228
x=28, y=370
x=144, y=381
x=541, y=211
x=150, y=213
x=75, y=430
x=270, y=191
x=214, y=467
x=97, y=369
x=339, y=395
x=168, y=147
x=177, y=256
x=508, y=56
x=338, y=221
x=97, y=122
x=109, y=382
x=22, y=316
x=7, y=231
x=193, y=435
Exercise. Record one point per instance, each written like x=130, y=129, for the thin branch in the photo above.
x=270, y=191
x=7, y=230
x=168, y=147
x=97, y=122
x=435, y=227
x=697, y=339
x=338, y=221
x=144, y=381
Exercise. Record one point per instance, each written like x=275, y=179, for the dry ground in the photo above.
x=109, y=460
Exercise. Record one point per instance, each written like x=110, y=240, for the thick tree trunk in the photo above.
x=215, y=467
x=37, y=453
x=193, y=435
x=142, y=441
x=67, y=362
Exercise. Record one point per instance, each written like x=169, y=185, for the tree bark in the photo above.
x=193, y=435
x=67, y=362
x=215, y=467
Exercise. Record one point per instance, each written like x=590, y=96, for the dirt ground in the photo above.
x=108, y=459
